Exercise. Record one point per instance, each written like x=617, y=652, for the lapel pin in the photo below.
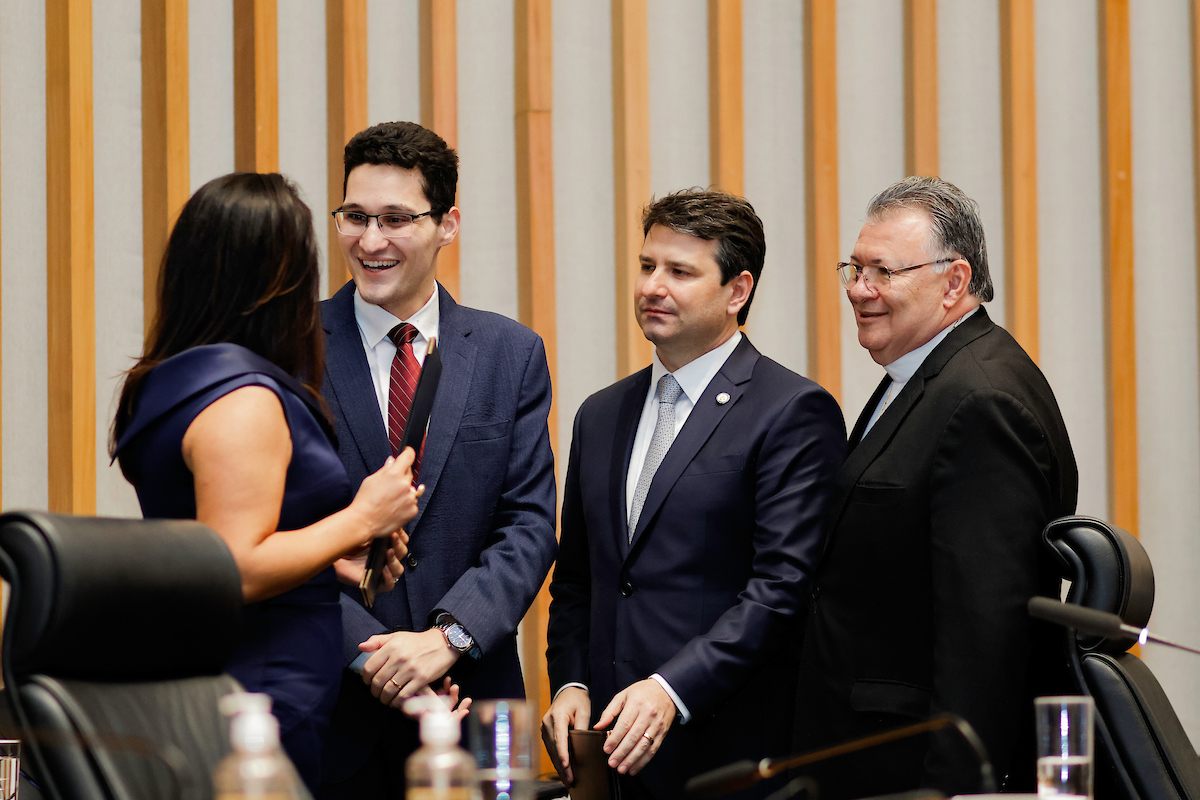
x=722, y=398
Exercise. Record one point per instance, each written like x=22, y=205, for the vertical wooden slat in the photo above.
x=346, y=107
x=727, y=165
x=255, y=86
x=920, y=87
x=631, y=168
x=70, y=257
x=1116, y=127
x=1019, y=113
x=439, y=100
x=821, y=192
x=536, y=301
x=166, y=168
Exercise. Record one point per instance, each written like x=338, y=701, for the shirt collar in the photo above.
x=907, y=365
x=695, y=375
x=376, y=323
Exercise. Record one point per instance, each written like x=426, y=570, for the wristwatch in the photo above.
x=456, y=635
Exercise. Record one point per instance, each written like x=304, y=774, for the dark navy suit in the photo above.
x=710, y=591
x=483, y=538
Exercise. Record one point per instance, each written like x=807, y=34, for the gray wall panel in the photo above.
x=1168, y=376
x=584, y=255
x=24, y=241
x=678, y=31
x=487, y=181
x=210, y=89
x=773, y=79
x=302, y=102
x=970, y=136
x=117, y=123
x=1070, y=236
x=393, y=61
x=870, y=66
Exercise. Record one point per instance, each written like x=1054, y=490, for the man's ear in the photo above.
x=741, y=285
x=449, y=225
x=959, y=281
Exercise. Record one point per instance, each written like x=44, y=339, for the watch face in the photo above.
x=457, y=637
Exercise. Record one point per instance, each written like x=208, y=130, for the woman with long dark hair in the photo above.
x=221, y=421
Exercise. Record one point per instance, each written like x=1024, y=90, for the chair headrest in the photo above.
x=116, y=599
x=1109, y=570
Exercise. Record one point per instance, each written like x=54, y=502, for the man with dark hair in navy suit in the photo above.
x=691, y=522
x=483, y=538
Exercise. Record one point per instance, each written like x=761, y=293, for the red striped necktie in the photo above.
x=405, y=371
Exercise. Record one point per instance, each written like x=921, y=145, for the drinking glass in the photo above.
x=501, y=739
x=1065, y=746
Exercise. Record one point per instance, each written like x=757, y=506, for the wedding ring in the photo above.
x=392, y=681
x=648, y=736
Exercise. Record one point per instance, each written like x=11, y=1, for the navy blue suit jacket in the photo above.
x=483, y=538
x=710, y=591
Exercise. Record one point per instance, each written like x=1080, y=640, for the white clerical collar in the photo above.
x=376, y=323
x=695, y=375
x=907, y=365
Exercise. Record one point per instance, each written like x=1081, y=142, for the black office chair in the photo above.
x=1142, y=751
x=115, y=636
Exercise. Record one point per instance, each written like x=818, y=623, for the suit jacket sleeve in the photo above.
x=491, y=597
x=569, y=629
x=990, y=498
x=793, y=476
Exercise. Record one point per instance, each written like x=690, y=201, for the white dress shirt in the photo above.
x=903, y=368
x=693, y=378
x=373, y=326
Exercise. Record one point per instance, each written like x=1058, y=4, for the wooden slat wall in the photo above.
x=439, y=101
x=536, y=298
x=1019, y=115
x=70, y=257
x=346, y=108
x=727, y=165
x=920, y=87
x=1117, y=187
x=255, y=86
x=166, y=179
x=631, y=168
x=821, y=188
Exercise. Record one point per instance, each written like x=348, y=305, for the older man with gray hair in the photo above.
x=956, y=464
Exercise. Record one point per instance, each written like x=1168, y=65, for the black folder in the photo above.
x=414, y=437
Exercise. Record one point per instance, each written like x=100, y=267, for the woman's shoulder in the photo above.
x=206, y=370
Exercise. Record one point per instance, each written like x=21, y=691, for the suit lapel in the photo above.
x=458, y=364
x=628, y=414
x=870, y=445
x=350, y=379
x=701, y=422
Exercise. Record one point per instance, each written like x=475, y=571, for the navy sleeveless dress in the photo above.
x=291, y=644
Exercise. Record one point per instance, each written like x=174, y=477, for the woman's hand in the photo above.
x=387, y=501
x=350, y=568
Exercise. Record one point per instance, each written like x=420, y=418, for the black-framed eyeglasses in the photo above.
x=878, y=277
x=392, y=226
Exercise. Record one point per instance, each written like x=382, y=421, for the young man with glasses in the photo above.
x=483, y=538
x=958, y=461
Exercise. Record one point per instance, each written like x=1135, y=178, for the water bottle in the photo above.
x=440, y=769
x=257, y=768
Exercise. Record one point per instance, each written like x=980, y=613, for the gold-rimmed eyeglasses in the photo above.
x=879, y=277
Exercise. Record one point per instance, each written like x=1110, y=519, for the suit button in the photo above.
x=411, y=560
x=816, y=593
x=626, y=589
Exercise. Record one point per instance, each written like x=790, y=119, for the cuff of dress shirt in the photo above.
x=567, y=686
x=685, y=716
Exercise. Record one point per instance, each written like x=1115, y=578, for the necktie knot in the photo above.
x=402, y=334
x=668, y=389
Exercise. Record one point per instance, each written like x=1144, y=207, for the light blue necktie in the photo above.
x=664, y=434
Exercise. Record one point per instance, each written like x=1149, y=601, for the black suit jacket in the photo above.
x=709, y=593
x=934, y=550
x=483, y=538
